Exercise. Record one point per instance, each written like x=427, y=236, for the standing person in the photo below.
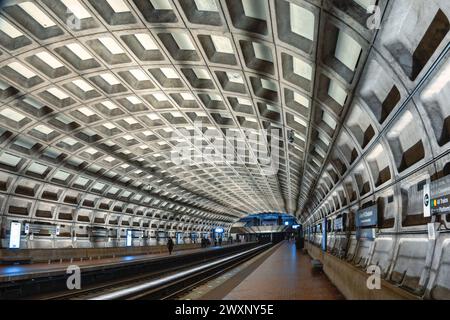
x=220, y=241
x=170, y=245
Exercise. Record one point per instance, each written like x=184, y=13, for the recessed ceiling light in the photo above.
x=272, y=108
x=244, y=102
x=348, y=50
x=86, y=111
x=22, y=70
x=301, y=100
x=153, y=116
x=61, y=175
x=75, y=7
x=111, y=45
x=222, y=44
x=378, y=150
x=324, y=138
x=235, y=77
x=146, y=41
x=128, y=137
x=108, y=77
x=255, y=9
x=118, y=6
x=187, y=96
x=365, y=4
x=139, y=75
x=439, y=83
x=109, y=105
x=402, y=123
x=109, y=126
x=12, y=115
x=302, y=68
x=130, y=120
x=79, y=51
x=183, y=41
x=9, y=159
x=300, y=121
x=134, y=100
x=262, y=52
x=206, y=5
x=269, y=85
x=161, y=4
x=201, y=73
x=336, y=92
x=91, y=151
x=48, y=59
x=58, y=93
x=83, y=85
x=302, y=21
x=328, y=119
x=37, y=168
x=215, y=97
x=176, y=114
x=169, y=73
x=9, y=29
x=160, y=96
x=37, y=14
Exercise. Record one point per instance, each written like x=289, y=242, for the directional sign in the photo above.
x=436, y=197
x=440, y=205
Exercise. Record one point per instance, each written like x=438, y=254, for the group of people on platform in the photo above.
x=205, y=242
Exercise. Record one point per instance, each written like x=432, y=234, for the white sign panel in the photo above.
x=14, y=238
x=129, y=238
x=426, y=201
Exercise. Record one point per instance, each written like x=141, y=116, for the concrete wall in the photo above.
x=351, y=281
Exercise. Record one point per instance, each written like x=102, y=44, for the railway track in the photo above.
x=167, y=284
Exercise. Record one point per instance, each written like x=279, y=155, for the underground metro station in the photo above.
x=225, y=150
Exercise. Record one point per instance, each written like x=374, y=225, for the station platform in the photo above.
x=285, y=273
x=16, y=272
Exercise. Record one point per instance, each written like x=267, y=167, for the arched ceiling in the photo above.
x=96, y=94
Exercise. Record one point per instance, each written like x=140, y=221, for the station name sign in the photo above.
x=367, y=217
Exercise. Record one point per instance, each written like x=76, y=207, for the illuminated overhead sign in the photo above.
x=218, y=230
